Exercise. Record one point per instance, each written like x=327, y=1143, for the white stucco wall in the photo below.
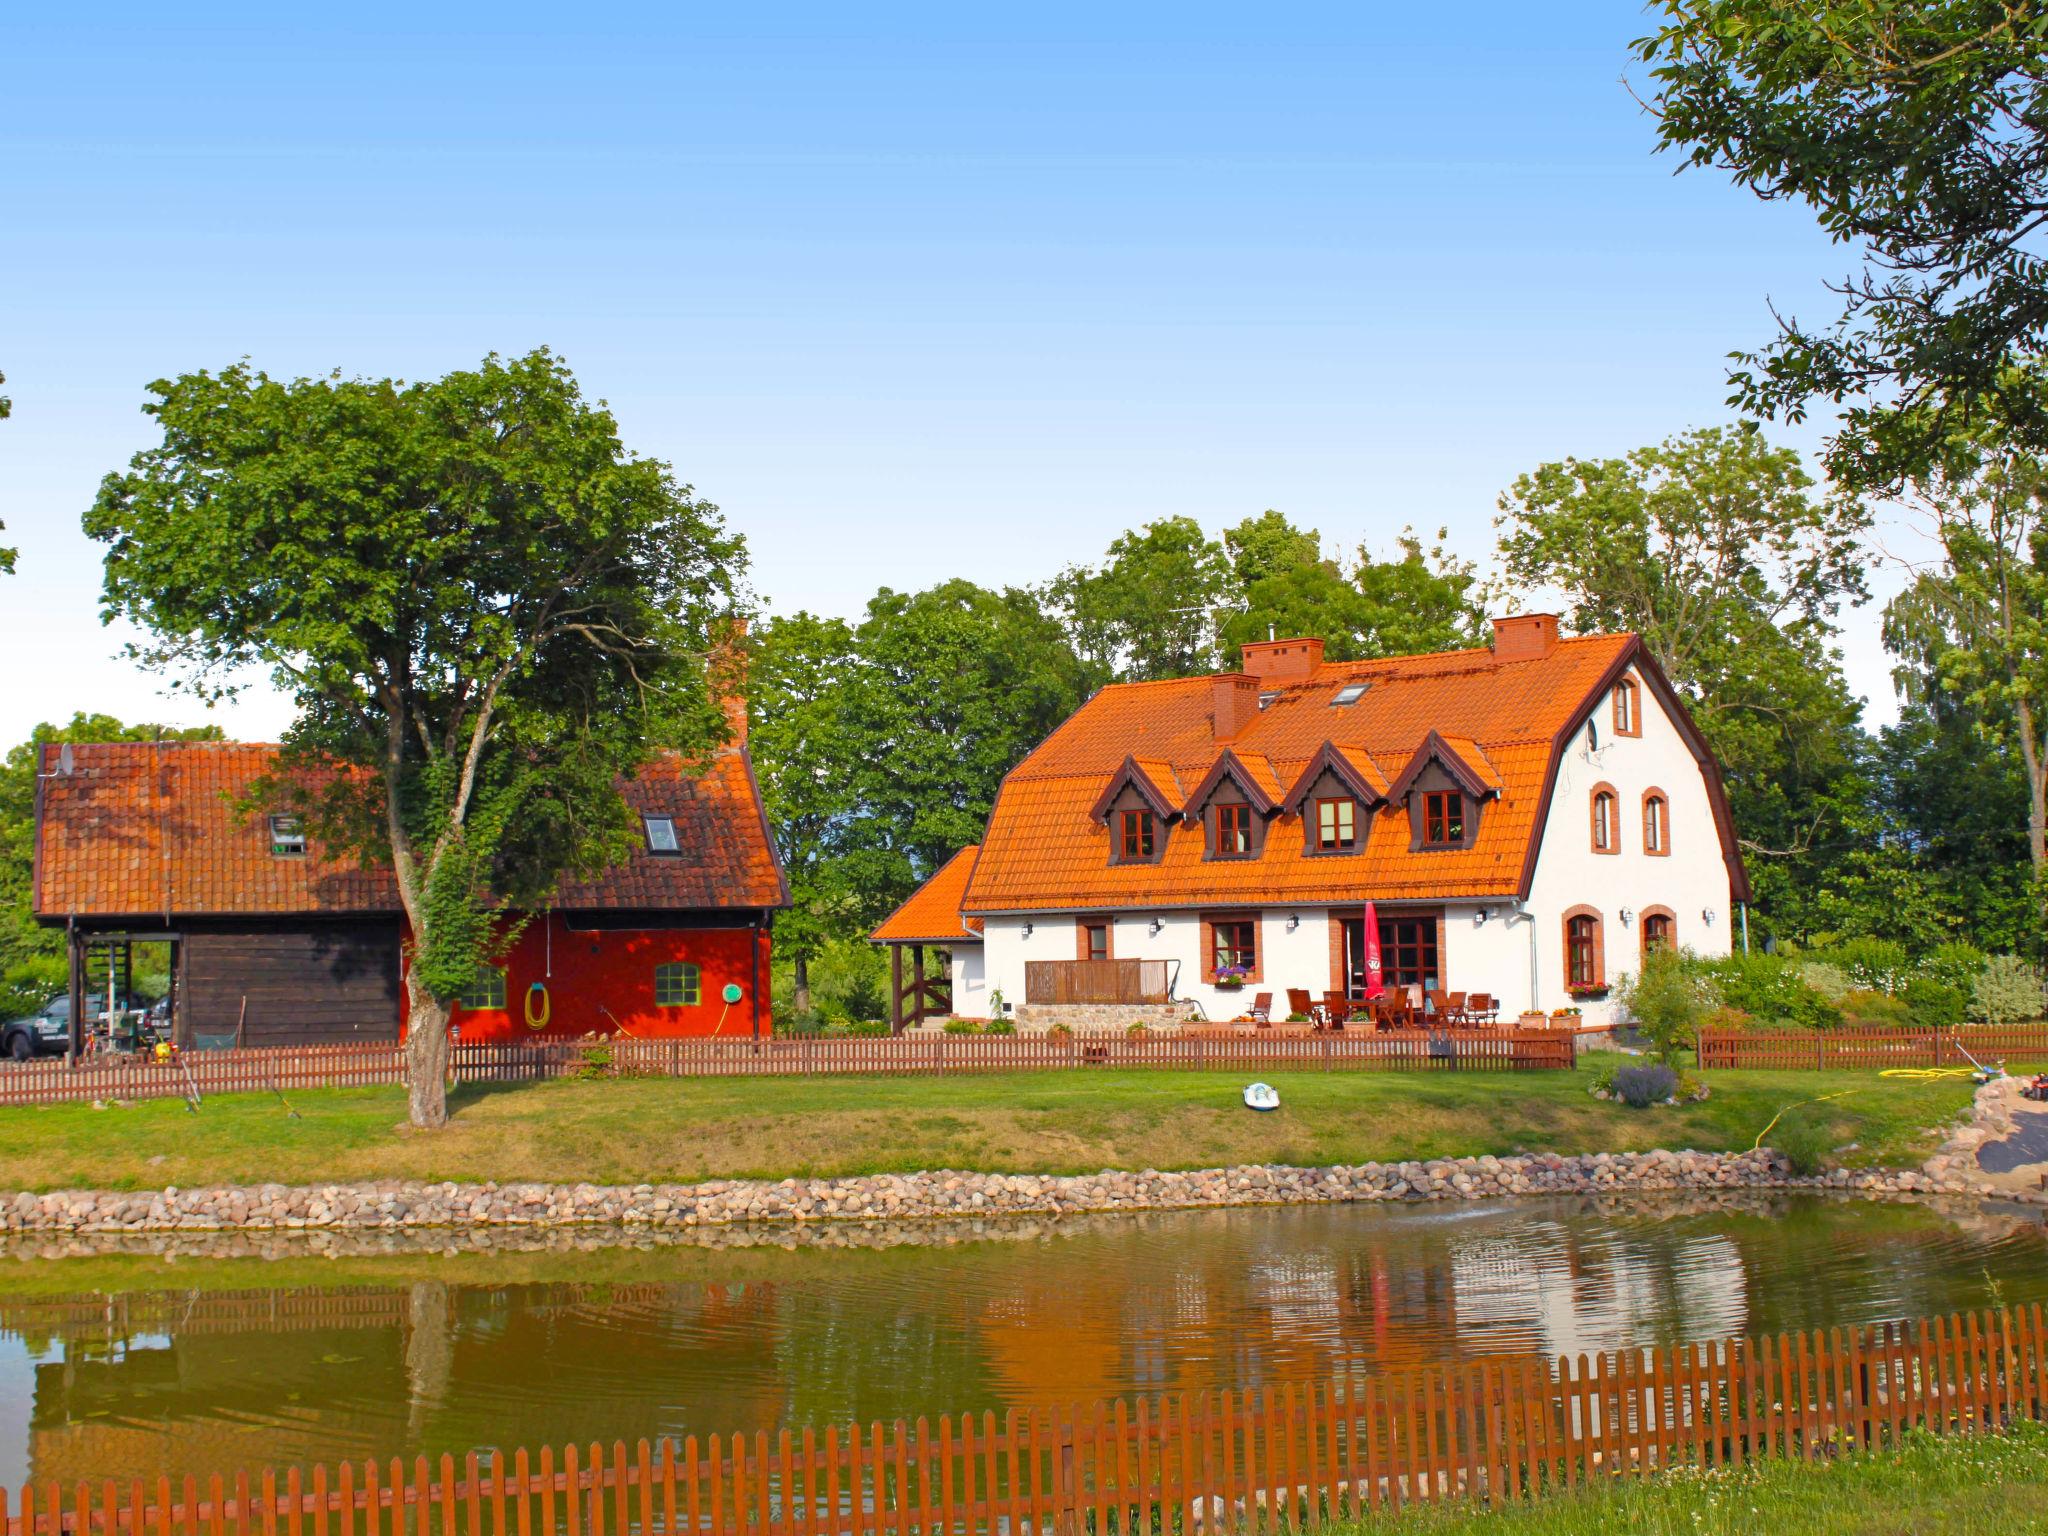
x=970, y=981
x=1493, y=955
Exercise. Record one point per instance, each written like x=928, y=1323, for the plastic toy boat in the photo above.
x=1261, y=1096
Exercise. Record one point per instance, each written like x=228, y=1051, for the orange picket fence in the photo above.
x=262, y=1070
x=1289, y=1458
x=1818, y=1049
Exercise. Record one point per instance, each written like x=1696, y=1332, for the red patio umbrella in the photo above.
x=1374, y=983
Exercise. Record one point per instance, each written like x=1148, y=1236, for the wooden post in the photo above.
x=896, y=989
x=917, y=1009
x=77, y=983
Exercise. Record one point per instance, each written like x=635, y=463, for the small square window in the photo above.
x=1136, y=835
x=287, y=838
x=1337, y=823
x=678, y=985
x=486, y=991
x=661, y=834
x=1350, y=693
x=1443, y=818
x=1233, y=830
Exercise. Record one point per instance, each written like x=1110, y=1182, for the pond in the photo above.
x=240, y=1352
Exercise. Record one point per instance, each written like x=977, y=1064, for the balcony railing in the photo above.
x=1095, y=981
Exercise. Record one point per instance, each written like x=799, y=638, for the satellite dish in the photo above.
x=64, y=759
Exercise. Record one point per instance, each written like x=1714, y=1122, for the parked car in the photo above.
x=48, y=1029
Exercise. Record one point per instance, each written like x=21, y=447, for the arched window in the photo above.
x=1585, y=964
x=1628, y=719
x=1659, y=930
x=1656, y=822
x=1606, y=825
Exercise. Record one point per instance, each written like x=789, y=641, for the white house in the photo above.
x=1528, y=819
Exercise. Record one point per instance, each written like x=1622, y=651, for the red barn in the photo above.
x=274, y=942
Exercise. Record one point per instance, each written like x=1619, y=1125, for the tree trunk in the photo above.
x=426, y=1056
x=802, y=1000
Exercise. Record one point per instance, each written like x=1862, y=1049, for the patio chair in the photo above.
x=1298, y=1001
x=1482, y=1008
x=1450, y=1010
x=1262, y=1008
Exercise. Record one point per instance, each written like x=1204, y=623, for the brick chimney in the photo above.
x=727, y=675
x=1234, y=702
x=1524, y=636
x=1282, y=661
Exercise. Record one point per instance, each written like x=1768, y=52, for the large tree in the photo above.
x=1975, y=627
x=1917, y=131
x=1149, y=609
x=1420, y=600
x=485, y=608
x=1714, y=548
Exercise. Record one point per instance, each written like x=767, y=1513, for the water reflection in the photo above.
x=135, y=1356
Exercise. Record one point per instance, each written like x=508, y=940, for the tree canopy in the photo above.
x=1917, y=132
x=482, y=603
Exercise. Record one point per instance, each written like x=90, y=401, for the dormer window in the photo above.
x=661, y=834
x=287, y=838
x=1627, y=709
x=1443, y=818
x=1336, y=824
x=1137, y=835
x=1233, y=831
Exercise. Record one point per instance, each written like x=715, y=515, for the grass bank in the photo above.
x=629, y=1131
x=1982, y=1485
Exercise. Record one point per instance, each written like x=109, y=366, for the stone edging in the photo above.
x=412, y=1204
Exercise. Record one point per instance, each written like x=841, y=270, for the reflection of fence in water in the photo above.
x=1504, y=1429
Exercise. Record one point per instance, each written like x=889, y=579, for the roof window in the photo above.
x=1266, y=699
x=1350, y=693
x=287, y=838
x=661, y=834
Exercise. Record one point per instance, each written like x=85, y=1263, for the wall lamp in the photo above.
x=1027, y=930
x=1707, y=916
x=1157, y=924
x=1626, y=916
x=1482, y=917
x=1293, y=921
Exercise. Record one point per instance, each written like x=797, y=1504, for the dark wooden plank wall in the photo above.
x=312, y=983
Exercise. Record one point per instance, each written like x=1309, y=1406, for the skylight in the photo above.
x=1266, y=699
x=1350, y=693
x=661, y=834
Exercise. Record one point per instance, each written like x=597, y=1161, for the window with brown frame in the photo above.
x=1234, y=943
x=1443, y=818
x=1582, y=951
x=1095, y=941
x=1137, y=836
x=1657, y=932
x=1604, y=807
x=1627, y=716
x=1233, y=831
x=1336, y=823
x=1656, y=823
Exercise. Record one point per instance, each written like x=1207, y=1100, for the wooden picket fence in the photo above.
x=284, y=1069
x=1288, y=1458
x=1849, y=1048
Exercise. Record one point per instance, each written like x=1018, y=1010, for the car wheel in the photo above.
x=20, y=1047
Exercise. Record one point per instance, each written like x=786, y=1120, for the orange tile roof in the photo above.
x=1502, y=718
x=932, y=914
x=138, y=829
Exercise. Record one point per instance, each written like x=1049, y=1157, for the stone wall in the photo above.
x=1087, y=1016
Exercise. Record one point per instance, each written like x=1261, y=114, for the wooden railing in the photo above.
x=1847, y=1048
x=283, y=1069
x=1095, y=981
x=1290, y=1457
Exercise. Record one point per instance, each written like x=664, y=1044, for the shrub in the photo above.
x=1866, y=1006
x=1879, y=965
x=1935, y=1004
x=1954, y=964
x=1830, y=981
x=867, y=1028
x=1667, y=999
x=1640, y=1087
x=30, y=983
x=2007, y=991
x=1770, y=988
x=963, y=1026
x=999, y=1027
x=1137, y=1032
x=1802, y=1139
x=1060, y=1032
x=1725, y=1017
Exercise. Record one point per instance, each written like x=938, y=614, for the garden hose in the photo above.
x=538, y=1019
x=1927, y=1074
x=1781, y=1114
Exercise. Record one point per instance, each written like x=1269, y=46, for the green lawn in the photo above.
x=627, y=1131
x=1984, y=1485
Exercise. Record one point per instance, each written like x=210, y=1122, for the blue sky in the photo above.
x=910, y=294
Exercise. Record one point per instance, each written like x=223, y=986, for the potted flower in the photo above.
x=1587, y=989
x=1231, y=976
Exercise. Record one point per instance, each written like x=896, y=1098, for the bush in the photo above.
x=1935, y=1004
x=1879, y=965
x=1640, y=1087
x=999, y=1027
x=1770, y=988
x=30, y=983
x=1954, y=964
x=2007, y=991
x=867, y=1028
x=1802, y=1139
x=1830, y=981
x=1725, y=1017
x=1874, y=1008
x=963, y=1026
x=1667, y=999
x=1060, y=1032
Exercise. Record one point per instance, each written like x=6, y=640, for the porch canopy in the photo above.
x=931, y=916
